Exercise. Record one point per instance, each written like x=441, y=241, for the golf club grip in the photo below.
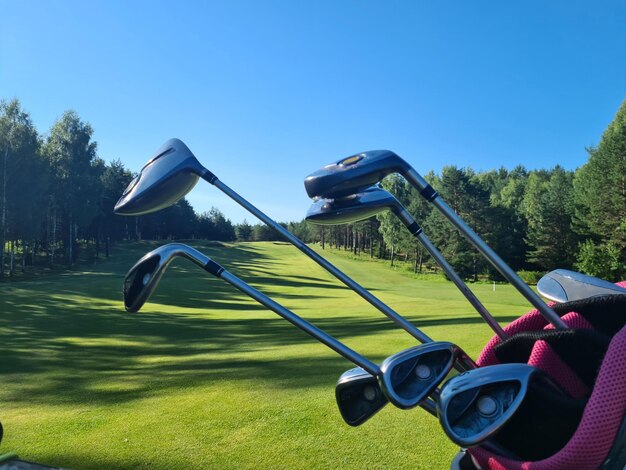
x=364, y=293
x=214, y=268
x=417, y=181
x=301, y=323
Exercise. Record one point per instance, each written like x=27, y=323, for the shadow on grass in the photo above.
x=63, y=341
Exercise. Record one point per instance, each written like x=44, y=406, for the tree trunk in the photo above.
x=106, y=247
x=392, y=253
x=54, y=236
x=12, y=259
x=3, y=236
x=415, y=264
x=71, y=243
x=322, y=236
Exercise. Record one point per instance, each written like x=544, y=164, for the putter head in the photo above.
x=166, y=178
x=410, y=376
x=359, y=396
x=474, y=405
x=353, y=208
x=562, y=285
x=352, y=174
x=144, y=276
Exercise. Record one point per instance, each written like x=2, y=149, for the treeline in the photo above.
x=57, y=197
x=536, y=220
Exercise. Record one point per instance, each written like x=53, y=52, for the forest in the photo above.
x=57, y=196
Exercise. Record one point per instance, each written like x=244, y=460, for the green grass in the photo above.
x=203, y=377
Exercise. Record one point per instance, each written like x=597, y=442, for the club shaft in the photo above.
x=364, y=293
x=410, y=223
x=302, y=324
x=419, y=183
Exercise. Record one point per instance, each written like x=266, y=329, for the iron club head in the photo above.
x=409, y=376
x=143, y=278
x=475, y=405
x=358, y=396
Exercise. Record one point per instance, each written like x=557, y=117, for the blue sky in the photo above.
x=266, y=92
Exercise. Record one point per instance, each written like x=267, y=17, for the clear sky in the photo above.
x=266, y=92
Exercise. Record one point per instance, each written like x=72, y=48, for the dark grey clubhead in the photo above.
x=413, y=374
x=562, y=285
x=352, y=208
x=143, y=278
x=166, y=178
x=352, y=174
x=475, y=405
x=358, y=396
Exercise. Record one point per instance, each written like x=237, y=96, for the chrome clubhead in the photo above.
x=165, y=179
x=144, y=276
x=352, y=208
x=475, y=405
x=358, y=396
x=562, y=285
x=352, y=174
x=410, y=376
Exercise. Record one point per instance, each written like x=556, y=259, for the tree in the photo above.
x=548, y=205
x=600, y=191
x=71, y=154
x=21, y=211
x=243, y=231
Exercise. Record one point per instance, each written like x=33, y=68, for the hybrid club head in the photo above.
x=165, y=179
x=144, y=276
x=410, y=376
x=352, y=208
x=351, y=174
x=562, y=285
x=475, y=405
x=359, y=396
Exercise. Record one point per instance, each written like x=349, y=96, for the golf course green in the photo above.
x=203, y=377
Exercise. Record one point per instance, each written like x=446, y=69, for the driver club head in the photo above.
x=476, y=404
x=166, y=178
x=352, y=174
x=352, y=208
x=143, y=278
x=358, y=396
x=408, y=377
x=562, y=285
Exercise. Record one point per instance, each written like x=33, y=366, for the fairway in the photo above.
x=203, y=377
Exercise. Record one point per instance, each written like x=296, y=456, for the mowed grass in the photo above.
x=203, y=377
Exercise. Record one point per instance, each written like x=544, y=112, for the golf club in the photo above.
x=562, y=285
x=406, y=378
x=357, y=172
x=366, y=203
x=475, y=406
x=174, y=171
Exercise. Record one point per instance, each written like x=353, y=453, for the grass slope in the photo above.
x=203, y=377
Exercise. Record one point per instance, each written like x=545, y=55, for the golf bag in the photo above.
x=586, y=430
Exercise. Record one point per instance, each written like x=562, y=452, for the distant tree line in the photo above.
x=537, y=220
x=57, y=197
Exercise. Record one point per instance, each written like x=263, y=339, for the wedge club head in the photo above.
x=562, y=285
x=475, y=405
x=165, y=179
x=410, y=376
x=358, y=396
x=143, y=278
